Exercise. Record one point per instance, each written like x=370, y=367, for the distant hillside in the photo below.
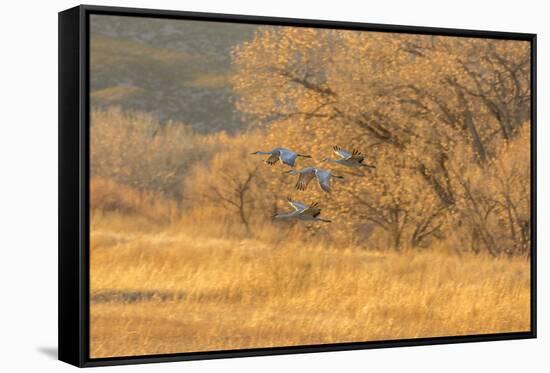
x=174, y=69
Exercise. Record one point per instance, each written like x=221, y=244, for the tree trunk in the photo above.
x=477, y=143
x=442, y=190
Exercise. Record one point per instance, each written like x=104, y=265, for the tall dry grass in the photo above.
x=172, y=289
x=107, y=196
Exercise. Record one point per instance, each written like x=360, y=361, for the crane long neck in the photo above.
x=283, y=216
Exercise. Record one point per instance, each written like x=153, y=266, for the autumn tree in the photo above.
x=415, y=104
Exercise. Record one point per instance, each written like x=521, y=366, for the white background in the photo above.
x=28, y=185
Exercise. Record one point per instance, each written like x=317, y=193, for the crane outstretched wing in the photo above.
x=323, y=177
x=298, y=206
x=273, y=158
x=342, y=153
x=312, y=210
x=287, y=156
x=356, y=156
x=304, y=179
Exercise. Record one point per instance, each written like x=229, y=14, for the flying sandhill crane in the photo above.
x=286, y=156
x=303, y=212
x=308, y=173
x=353, y=159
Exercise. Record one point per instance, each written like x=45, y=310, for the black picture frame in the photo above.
x=74, y=110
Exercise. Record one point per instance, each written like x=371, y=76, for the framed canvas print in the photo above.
x=239, y=186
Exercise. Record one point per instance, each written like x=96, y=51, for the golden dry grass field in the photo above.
x=167, y=289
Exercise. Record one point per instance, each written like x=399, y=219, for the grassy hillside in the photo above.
x=176, y=70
